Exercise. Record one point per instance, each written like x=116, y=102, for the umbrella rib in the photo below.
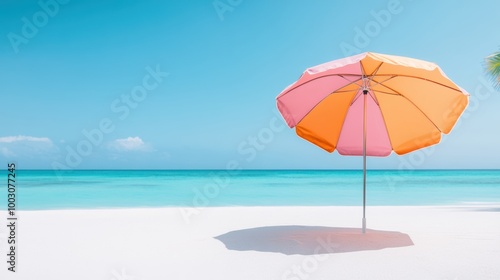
x=385, y=92
x=337, y=91
x=317, y=105
x=356, y=96
x=370, y=79
x=376, y=70
x=420, y=78
x=362, y=69
x=381, y=83
x=340, y=75
x=415, y=107
x=350, y=82
x=386, y=129
x=422, y=113
x=373, y=97
x=353, y=82
x=374, y=73
x=342, y=91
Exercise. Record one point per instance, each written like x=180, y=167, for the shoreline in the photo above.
x=461, y=204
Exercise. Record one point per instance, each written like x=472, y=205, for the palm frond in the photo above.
x=493, y=68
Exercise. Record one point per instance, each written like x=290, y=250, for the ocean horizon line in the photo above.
x=251, y=169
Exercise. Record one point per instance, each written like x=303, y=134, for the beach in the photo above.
x=455, y=242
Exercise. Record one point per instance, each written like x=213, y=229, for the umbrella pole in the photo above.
x=365, y=92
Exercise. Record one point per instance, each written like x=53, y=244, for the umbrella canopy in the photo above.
x=372, y=104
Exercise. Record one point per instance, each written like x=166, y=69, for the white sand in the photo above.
x=455, y=242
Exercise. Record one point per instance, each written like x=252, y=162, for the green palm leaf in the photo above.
x=493, y=68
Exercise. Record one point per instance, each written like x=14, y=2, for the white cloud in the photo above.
x=130, y=144
x=23, y=147
x=21, y=138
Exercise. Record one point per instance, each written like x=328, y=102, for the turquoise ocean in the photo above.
x=93, y=189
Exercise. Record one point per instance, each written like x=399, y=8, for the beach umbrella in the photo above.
x=372, y=104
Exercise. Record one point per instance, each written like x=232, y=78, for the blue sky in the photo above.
x=192, y=84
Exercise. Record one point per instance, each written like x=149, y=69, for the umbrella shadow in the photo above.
x=311, y=240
